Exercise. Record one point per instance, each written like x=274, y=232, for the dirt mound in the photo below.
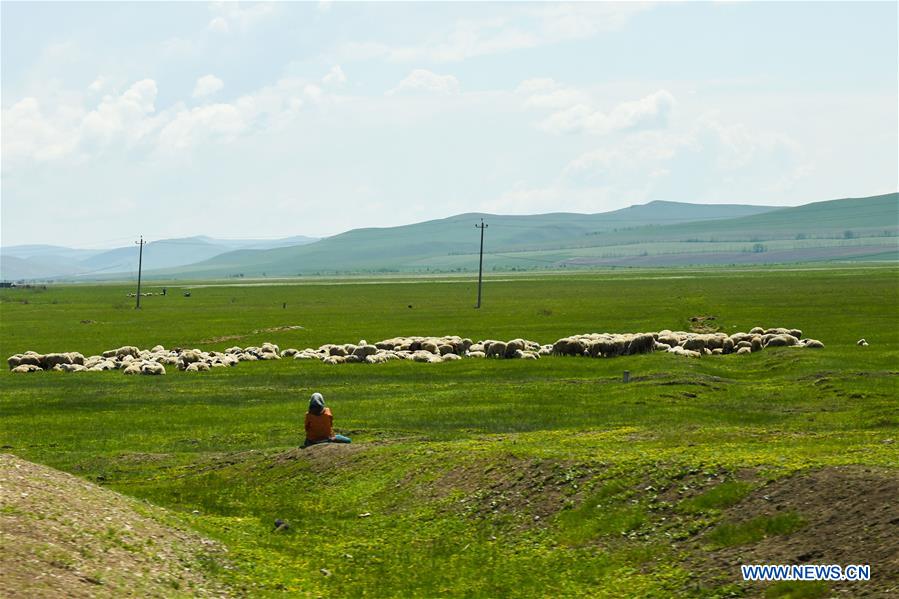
x=66, y=537
x=851, y=516
x=322, y=457
x=530, y=489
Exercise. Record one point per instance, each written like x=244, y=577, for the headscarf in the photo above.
x=316, y=404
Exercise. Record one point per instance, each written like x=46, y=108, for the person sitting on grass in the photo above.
x=319, y=423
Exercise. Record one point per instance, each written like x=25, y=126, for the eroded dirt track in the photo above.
x=61, y=536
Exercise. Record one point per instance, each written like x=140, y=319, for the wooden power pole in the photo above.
x=481, y=226
x=140, y=261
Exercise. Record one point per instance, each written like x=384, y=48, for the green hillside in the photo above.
x=655, y=234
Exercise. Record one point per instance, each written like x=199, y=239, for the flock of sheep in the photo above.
x=132, y=360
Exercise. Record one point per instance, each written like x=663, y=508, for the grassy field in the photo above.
x=477, y=478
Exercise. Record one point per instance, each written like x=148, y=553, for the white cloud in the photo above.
x=707, y=161
x=335, y=76
x=207, y=85
x=424, y=81
x=213, y=122
x=127, y=116
x=651, y=111
x=524, y=27
x=237, y=16
x=98, y=84
x=219, y=25
x=29, y=134
x=546, y=93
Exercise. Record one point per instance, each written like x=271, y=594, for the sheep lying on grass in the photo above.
x=694, y=345
x=133, y=360
x=431, y=350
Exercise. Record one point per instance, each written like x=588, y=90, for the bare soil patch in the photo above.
x=322, y=456
x=61, y=536
x=280, y=329
x=851, y=515
x=530, y=489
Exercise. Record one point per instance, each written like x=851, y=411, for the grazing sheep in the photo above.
x=694, y=344
x=157, y=348
x=680, y=351
x=131, y=369
x=126, y=350
x=862, y=342
x=756, y=344
x=334, y=360
x=363, y=351
x=196, y=367
x=26, y=368
x=430, y=347
x=289, y=353
x=668, y=338
x=496, y=349
x=450, y=357
x=756, y=331
x=421, y=356
x=813, y=344
x=51, y=360
x=781, y=340
x=92, y=361
x=515, y=345
x=72, y=367
x=640, y=344
x=727, y=346
x=744, y=350
x=32, y=358
x=152, y=368
x=569, y=346
x=190, y=356
x=475, y=354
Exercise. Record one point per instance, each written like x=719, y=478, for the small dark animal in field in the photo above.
x=280, y=525
x=410, y=306
x=187, y=294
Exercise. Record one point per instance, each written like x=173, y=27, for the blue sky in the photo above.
x=269, y=120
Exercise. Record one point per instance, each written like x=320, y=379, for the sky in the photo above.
x=253, y=120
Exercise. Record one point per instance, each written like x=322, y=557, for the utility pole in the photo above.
x=481, y=226
x=140, y=260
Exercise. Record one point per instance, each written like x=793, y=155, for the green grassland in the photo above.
x=476, y=478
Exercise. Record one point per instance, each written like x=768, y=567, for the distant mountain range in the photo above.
x=654, y=234
x=51, y=261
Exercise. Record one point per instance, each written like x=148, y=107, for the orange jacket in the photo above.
x=319, y=426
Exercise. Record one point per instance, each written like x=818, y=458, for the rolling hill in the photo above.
x=658, y=233
x=50, y=261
